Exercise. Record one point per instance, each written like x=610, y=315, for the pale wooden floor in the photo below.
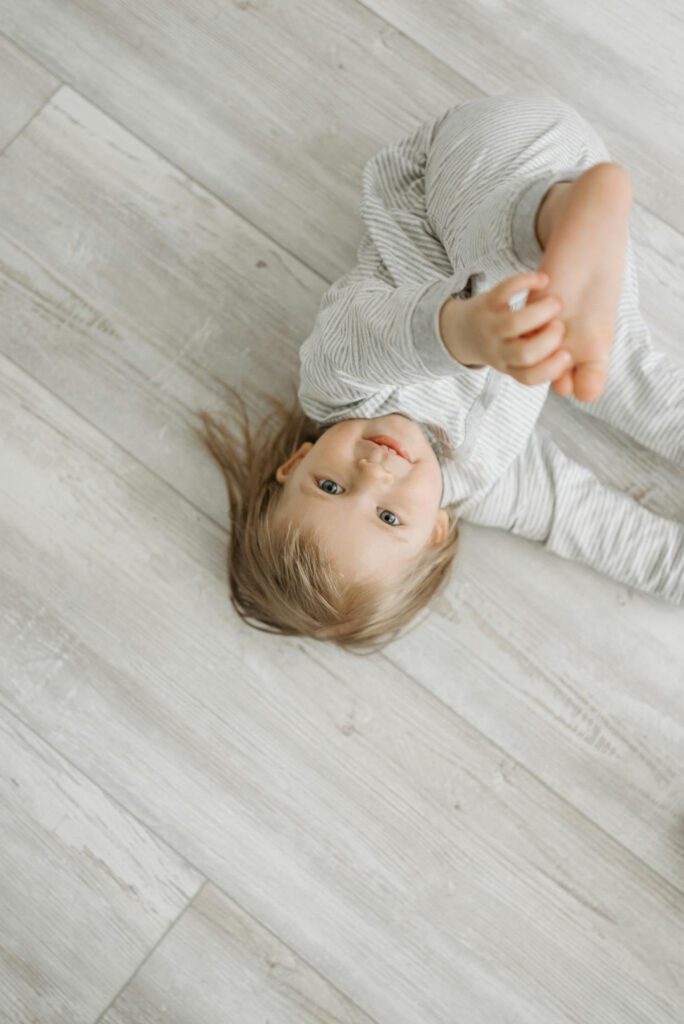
x=482, y=825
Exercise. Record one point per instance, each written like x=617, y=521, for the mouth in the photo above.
x=390, y=442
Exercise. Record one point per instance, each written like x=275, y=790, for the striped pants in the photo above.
x=478, y=150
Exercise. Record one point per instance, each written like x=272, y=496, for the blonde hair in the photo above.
x=280, y=576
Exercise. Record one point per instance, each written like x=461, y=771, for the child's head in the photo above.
x=333, y=536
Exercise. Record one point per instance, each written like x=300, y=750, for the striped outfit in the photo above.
x=450, y=210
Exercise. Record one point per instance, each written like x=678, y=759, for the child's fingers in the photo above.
x=544, y=361
x=529, y=318
x=504, y=291
x=519, y=353
x=549, y=369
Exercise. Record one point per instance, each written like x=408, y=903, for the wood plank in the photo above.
x=230, y=94
x=181, y=294
x=87, y=890
x=618, y=64
x=280, y=130
x=440, y=830
x=133, y=293
x=24, y=87
x=128, y=305
x=233, y=969
x=404, y=856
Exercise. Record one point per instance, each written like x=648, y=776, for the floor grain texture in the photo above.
x=483, y=823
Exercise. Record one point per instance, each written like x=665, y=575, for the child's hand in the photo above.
x=524, y=343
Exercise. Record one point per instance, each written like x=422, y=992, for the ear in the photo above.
x=441, y=527
x=283, y=471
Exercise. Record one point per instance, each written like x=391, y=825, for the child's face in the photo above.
x=374, y=510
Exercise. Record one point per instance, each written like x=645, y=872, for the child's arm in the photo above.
x=546, y=496
x=369, y=335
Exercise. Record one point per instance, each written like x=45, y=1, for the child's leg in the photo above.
x=496, y=157
x=489, y=190
x=549, y=210
x=644, y=392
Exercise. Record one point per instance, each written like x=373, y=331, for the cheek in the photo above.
x=427, y=491
x=432, y=480
x=437, y=490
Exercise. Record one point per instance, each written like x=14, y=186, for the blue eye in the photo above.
x=325, y=480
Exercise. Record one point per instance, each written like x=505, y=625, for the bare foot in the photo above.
x=584, y=257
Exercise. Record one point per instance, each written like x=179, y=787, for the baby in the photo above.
x=496, y=260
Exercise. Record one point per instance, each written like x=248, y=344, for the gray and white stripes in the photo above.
x=449, y=210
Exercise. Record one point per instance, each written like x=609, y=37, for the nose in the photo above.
x=376, y=465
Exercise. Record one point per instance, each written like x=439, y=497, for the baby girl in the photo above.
x=496, y=261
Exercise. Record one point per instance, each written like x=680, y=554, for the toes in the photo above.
x=563, y=385
x=589, y=381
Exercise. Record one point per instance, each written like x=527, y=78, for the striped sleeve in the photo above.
x=371, y=334
x=548, y=497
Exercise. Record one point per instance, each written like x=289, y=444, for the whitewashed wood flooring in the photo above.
x=484, y=824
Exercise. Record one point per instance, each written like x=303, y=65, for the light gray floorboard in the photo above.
x=481, y=824
x=134, y=294
x=86, y=889
x=231, y=93
x=240, y=972
x=383, y=838
x=618, y=63
x=24, y=87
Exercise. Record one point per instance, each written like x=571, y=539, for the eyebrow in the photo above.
x=316, y=492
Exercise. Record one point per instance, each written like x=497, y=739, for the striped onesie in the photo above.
x=450, y=210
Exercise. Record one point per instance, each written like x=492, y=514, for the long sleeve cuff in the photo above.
x=524, y=241
x=548, y=497
x=425, y=326
x=525, y=244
